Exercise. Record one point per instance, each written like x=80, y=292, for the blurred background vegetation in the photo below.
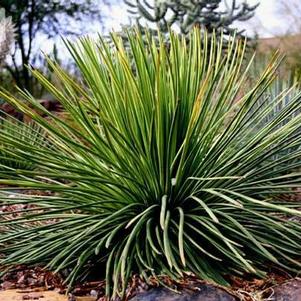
x=39, y=26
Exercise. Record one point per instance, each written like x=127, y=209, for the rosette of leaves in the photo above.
x=153, y=176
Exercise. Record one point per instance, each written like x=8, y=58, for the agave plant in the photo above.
x=155, y=175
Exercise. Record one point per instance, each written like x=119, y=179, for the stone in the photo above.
x=288, y=291
x=205, y=292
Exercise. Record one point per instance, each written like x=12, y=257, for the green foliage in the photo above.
x=154, y=176
x=29, y=134
x=285, y=91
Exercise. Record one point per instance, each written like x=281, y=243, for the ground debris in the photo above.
x=24, y=277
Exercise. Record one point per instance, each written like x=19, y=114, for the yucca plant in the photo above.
x=155, y=176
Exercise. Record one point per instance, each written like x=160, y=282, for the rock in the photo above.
x=289, y=291
x=93, y=293
x=204, y=292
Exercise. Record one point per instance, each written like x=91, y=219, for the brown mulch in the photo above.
x=251, y=288
x=246, y=288
x=24, y=277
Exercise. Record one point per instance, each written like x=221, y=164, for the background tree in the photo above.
x=49, y=18
x=184, y=14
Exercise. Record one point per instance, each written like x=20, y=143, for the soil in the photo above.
x=290, y=290
x=21, y=295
